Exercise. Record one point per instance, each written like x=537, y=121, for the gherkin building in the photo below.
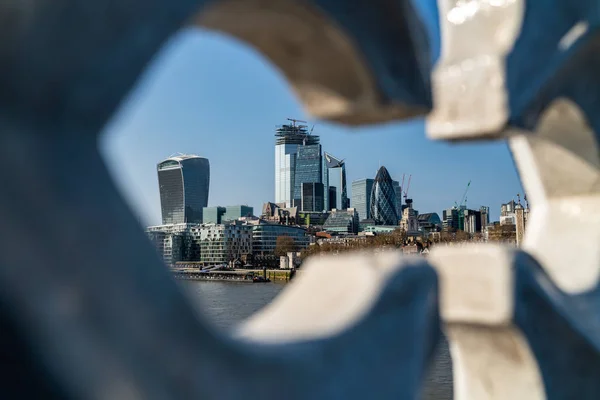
x=383, y=199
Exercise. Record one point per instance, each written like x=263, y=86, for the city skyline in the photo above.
x=184, y=104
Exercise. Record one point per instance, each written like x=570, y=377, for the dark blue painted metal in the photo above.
x=539, y=70
x=562, y=331
x=65, y=66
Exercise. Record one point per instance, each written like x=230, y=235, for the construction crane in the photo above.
x=407, y=186
x=403, y=175
x=294, y=121
x=463, y=200
x=460, y=207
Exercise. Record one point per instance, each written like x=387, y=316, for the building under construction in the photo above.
x=297, y=161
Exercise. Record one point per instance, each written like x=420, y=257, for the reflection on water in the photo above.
x=228, y=303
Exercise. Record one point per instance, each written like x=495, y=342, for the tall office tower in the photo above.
x=288, y=138
x=485, y=216
x=398, y=191
x=308, y=169
x=332, y=198
x=450, y=219
x=331, y=163
x=312, y=197
x=361, y=197
x=183, y=184
x=383, y=199
x=325, y=180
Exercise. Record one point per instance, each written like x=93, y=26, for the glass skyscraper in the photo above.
x=332, y=162
x=312, y=197
x=183, y=184
x=361, y=197
x=384, y=210
x=398, y=191
x=308, y=170
x=288, y=138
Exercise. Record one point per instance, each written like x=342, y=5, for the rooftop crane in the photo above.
x=460, y=207
x=407, y=186
x=294, y=121
x=463, y=200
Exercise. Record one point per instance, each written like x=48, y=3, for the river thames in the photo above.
x=228, y=303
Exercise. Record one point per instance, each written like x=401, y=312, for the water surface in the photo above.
x=228, y=303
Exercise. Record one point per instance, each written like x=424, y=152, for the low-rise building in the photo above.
x=342, y=221
x=223, y=243
x=264, y=237
x=212, y=215
x=233, y=213
x=174, y=242
x=167, y=245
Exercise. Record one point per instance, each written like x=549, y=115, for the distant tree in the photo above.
x=284, y=245
x=462, y=236
x=446, y=237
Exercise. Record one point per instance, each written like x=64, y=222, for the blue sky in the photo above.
x=213, y=96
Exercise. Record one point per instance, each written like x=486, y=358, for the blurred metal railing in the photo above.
x=89, y=311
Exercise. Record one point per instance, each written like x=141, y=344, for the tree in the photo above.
x=462, y=236
x=284, y=245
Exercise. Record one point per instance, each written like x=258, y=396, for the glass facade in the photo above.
x=429, y=222
x=361, y=197
x=308, y=169
x=264, y=237
x=288, y=138
x=398, y=191
x=233, y=213
x=332, y=197
x=384, y=209
x=212, y=215
x=342, y=221
x=312, y=197
x=285, y=170
x=183, y=184
x=450, y=219
x=332, y=162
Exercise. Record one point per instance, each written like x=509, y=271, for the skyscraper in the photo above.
x=332, y=198
x=398, y=191
x=383, y=199
x=332, y=162
x=312, y=197
x=361, y=197
x=288, y=138
x=183, y=184
x=308, y=169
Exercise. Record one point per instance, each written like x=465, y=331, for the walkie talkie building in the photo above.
x=183, y=183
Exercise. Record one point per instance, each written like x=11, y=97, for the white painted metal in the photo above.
x=559, y=165
x=468, y=82
x=490, y=357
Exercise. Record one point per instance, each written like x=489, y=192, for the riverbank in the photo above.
x=279, y=275
x=238, y=275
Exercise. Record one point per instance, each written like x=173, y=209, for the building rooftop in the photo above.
x=427, y=216
x=181, y=157
x=295, y=134
x=333, y=162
